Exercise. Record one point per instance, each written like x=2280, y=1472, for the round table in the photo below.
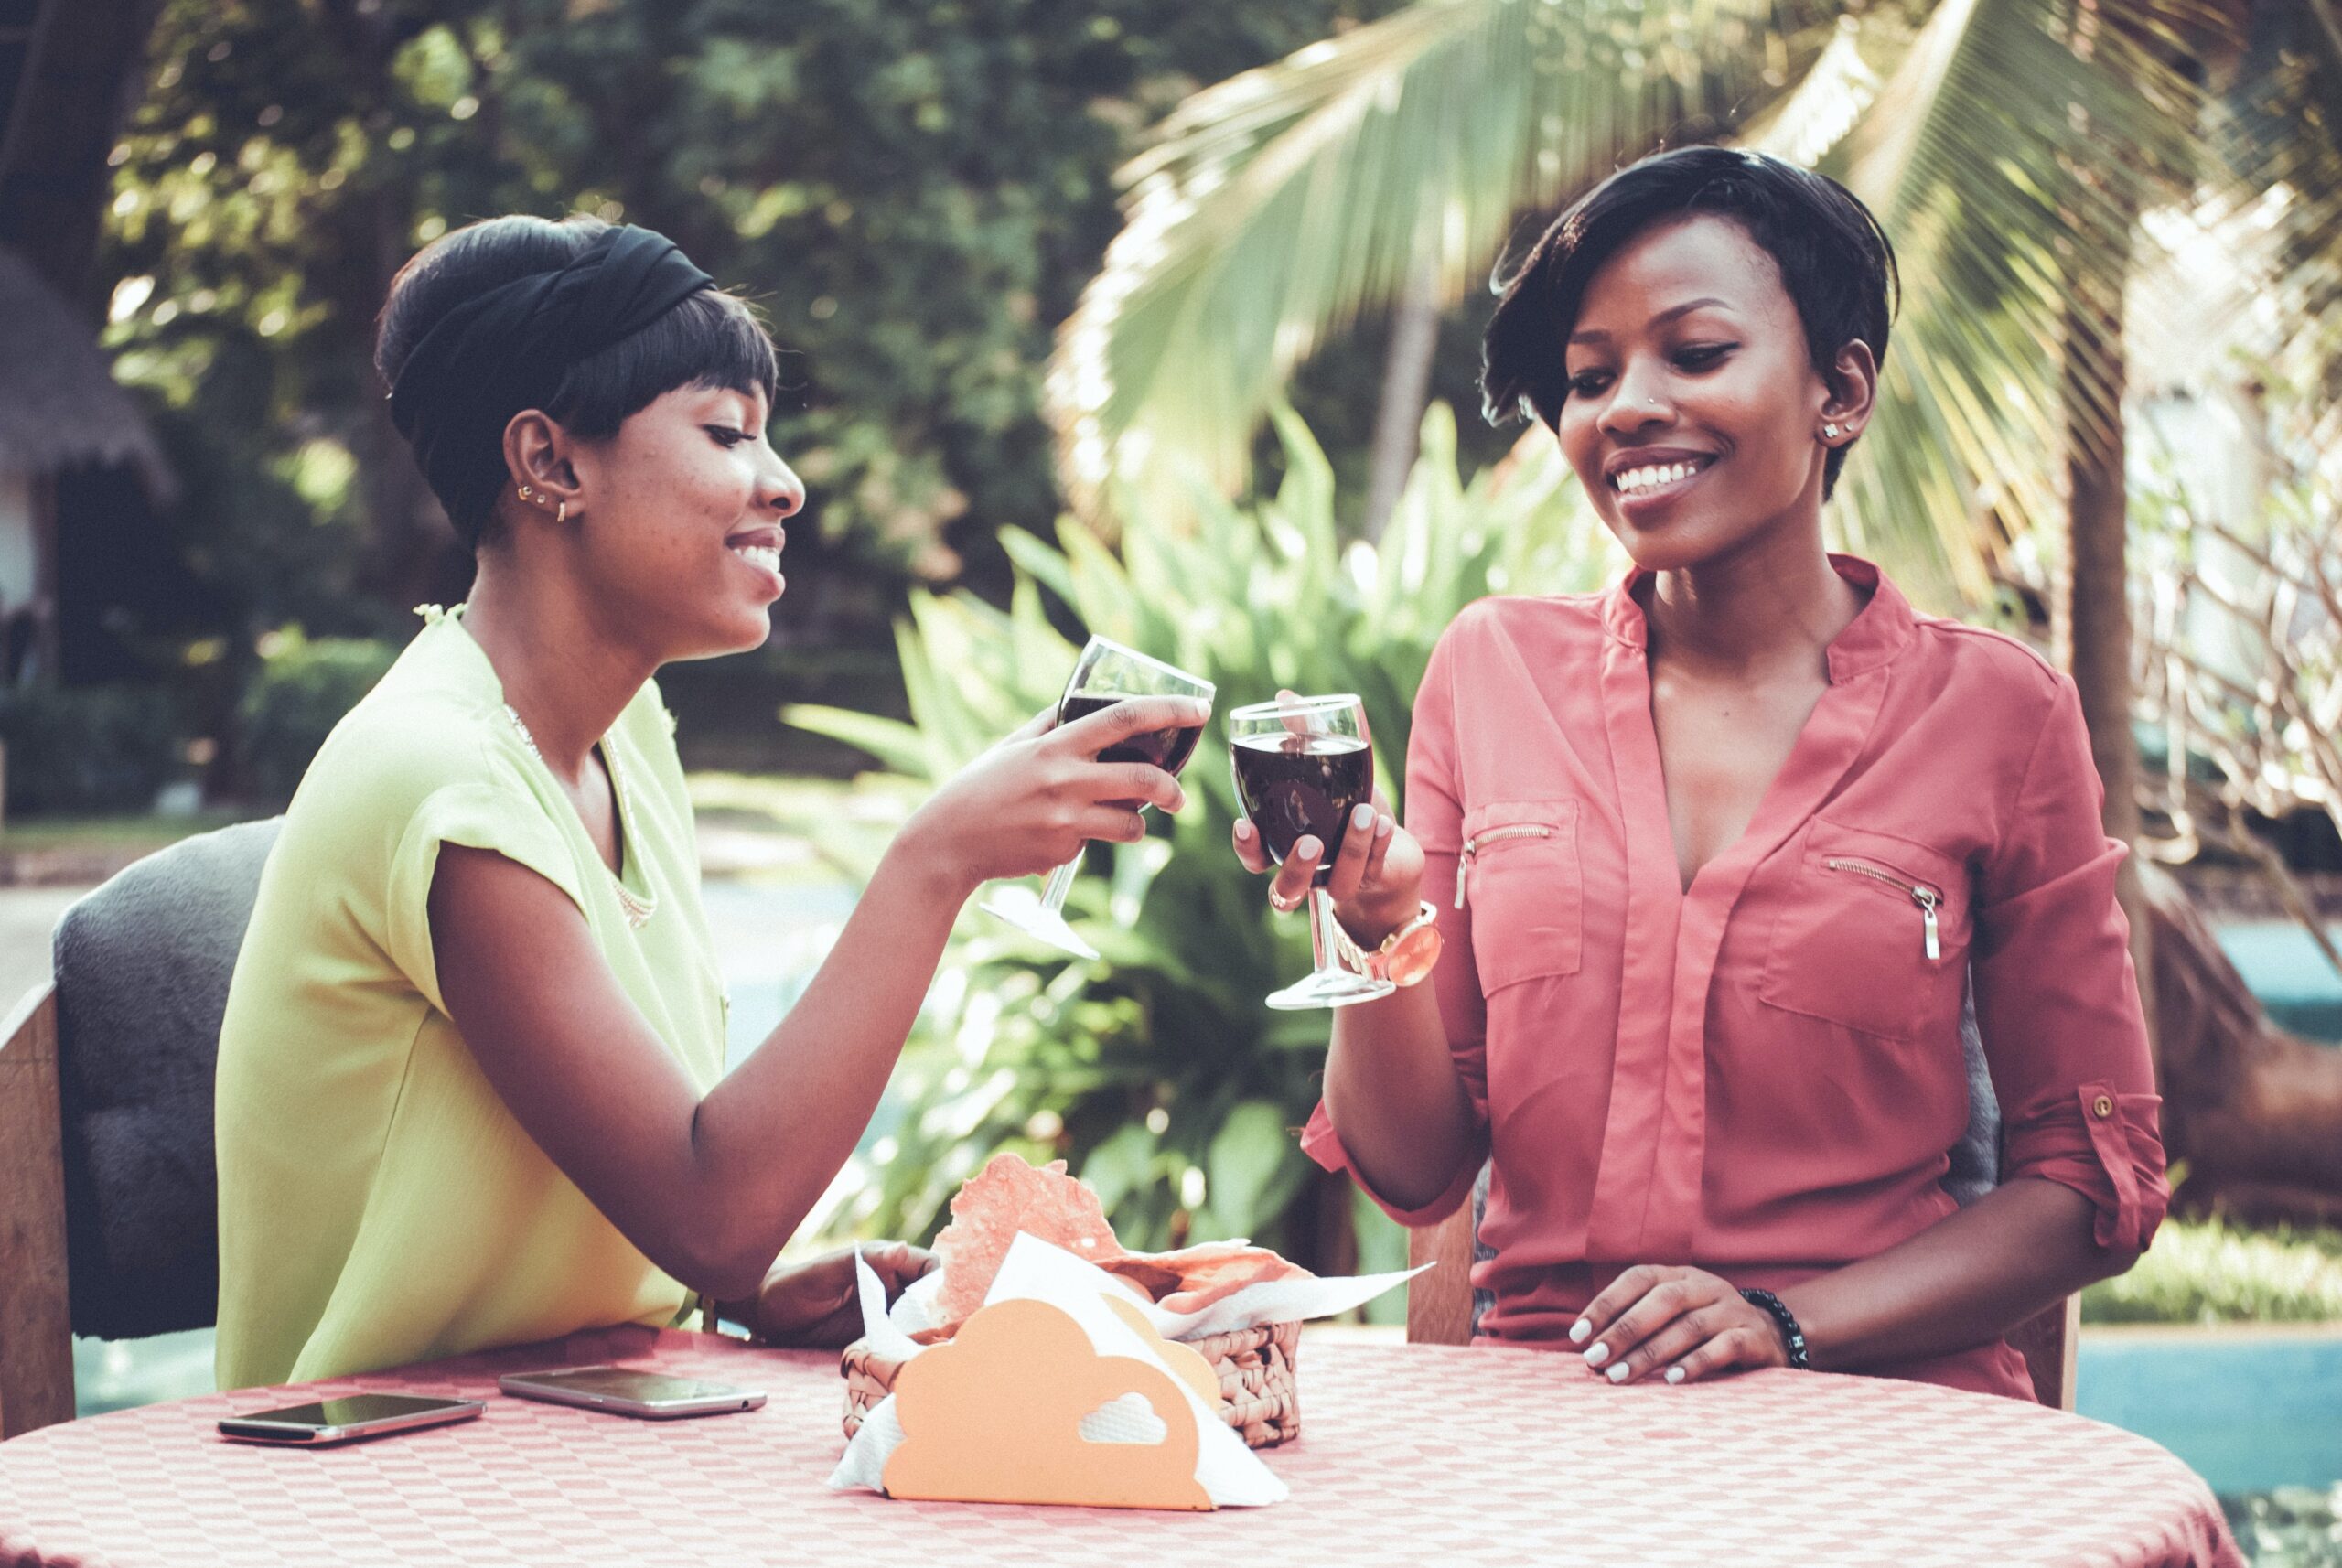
x=1408, y=1454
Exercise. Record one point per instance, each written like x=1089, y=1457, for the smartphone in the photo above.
x=654, y=1396
x=349, y=1419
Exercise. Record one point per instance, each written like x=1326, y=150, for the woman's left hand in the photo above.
x=1680, y=1323
x=814, y=1306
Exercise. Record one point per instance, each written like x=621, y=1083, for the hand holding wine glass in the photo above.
x=1031, y=801
x=1375, y=881
x=1121, y=689
x=1305, y=772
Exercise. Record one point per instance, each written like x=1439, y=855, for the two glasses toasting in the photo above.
x=1301, y=765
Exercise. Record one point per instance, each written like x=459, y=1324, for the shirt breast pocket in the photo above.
x=1518, y=872
x=1872, y=936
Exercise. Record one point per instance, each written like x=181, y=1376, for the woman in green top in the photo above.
x=471, y=1088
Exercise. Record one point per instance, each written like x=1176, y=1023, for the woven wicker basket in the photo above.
x=1256, y=1382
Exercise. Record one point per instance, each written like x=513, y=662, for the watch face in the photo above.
x=1412, y=955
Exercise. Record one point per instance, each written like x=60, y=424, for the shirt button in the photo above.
x=2102, y=1107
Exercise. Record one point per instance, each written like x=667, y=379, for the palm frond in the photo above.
x=1281, y=204
x=2009, y=158
x=2279, y=138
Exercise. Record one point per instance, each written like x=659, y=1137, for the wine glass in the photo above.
x=1302, y=766
x=1106, y=673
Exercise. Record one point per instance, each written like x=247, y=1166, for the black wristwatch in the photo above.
x=1784, y=1319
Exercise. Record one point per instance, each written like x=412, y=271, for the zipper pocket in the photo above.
x=1919, y=893
x=1493, y=835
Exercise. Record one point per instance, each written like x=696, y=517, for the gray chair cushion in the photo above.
x=1976, y=1158
x=143, y=965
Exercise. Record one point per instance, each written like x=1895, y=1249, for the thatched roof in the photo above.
x=60, y=404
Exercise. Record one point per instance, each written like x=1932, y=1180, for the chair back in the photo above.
x=1442, y=1309
x=119, y=1061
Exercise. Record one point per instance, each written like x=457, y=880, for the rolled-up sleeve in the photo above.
x=1436, y=817
x=2057, y=997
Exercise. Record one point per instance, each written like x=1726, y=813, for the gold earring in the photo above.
x=527, y=494
x=561, y=514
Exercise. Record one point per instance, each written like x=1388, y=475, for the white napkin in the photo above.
x=1229, y=1472
x=1278, y=1301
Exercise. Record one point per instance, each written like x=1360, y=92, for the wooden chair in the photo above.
x=36, y=1328
x=1439, y=1309
x=108, y=1200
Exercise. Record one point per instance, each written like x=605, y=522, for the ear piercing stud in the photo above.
x=561, y=510
x=1831, y=431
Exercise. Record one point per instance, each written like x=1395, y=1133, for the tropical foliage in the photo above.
x=2009, y=145
x=1156, y=1070
x=913, y=191
x=2209, y=1271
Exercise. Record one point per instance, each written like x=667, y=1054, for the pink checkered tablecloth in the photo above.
x=1410, y=1456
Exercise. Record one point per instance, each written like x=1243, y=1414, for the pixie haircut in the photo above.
x=1834, y=260
x=711, y=340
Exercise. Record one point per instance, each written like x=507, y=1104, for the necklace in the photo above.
x=638, y=909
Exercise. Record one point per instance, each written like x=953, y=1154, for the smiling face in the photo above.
x=679, y=520
x=1694, y=414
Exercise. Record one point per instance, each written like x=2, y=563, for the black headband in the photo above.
x=508, y=348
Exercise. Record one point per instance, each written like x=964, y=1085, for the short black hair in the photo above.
x=1835, y=261
x=711, y=340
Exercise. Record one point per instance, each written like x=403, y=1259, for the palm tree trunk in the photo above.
x=1406, y=391
x=2098, y=609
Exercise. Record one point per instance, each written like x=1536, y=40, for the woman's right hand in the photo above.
x=1378, y=877
x=1027, y=806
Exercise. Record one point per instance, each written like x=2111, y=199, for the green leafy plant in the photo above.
x=1156, y=1070
x=2209, y=1272
x=90, y=748
x=301, y=691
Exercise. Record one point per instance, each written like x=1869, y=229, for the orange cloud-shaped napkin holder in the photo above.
x=995, y=1415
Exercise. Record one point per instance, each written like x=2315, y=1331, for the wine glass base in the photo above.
x=1019, y=908
x=1329, y=988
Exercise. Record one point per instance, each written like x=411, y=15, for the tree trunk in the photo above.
x=2254, y=1112
x=81, y=77
x=1406, y=391
x=2098, y=609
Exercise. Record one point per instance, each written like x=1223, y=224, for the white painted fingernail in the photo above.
x=1674, y=1374
x=1579, y=1330
x=1617, y=1374
x=1597, y=1353
x=1361, y=815
x=1382, y=829
x=1310, y=848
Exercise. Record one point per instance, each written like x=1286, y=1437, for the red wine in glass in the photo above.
x=1106, y=673
x=1295, y=785
x=1166, y=748
x=1302, y=765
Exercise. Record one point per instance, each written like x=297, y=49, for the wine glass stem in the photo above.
x=1322, y=946
x=1061, y=881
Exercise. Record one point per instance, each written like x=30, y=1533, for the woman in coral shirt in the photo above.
x=1717, y=855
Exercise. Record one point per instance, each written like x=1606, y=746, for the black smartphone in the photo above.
x=348, y=1419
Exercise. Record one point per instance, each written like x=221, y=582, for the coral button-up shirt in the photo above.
x=1762, y=1076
